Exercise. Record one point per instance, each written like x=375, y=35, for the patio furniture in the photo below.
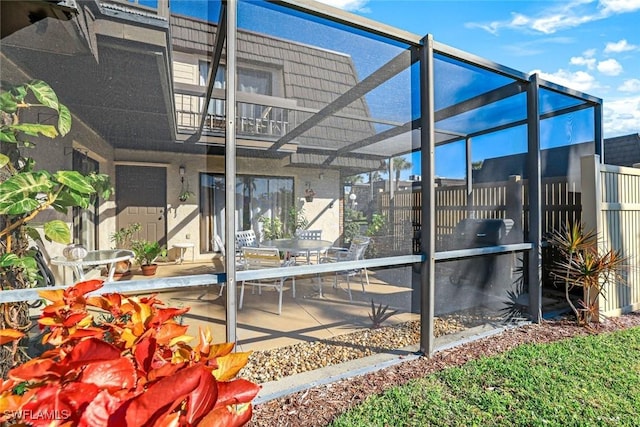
x=183, y=246
x=309, y=235
x=298, y=246
x=105, y=257
x=239, y=264
x=263, y=258
x=355, y=252
x=245, y=239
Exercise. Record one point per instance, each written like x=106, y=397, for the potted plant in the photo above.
x=309, y=194
x=185, y=194
x=123, y=239
x=145, y=254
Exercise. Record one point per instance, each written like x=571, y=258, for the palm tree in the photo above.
x=400, y=164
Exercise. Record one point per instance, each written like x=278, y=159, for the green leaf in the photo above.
x=8, y=103
x=44, y=94
x=19, y=92
x=17, y=194
x=68, y=198
x=64, y=120
x=4, y=160
x=18, y=207
x=35, y=129
x=7, y=136
x=32, y=233
x=58, y=231
x=76, y=181
x=8, y=260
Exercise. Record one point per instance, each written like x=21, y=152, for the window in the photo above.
x=256, y=197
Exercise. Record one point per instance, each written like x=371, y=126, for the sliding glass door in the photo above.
x=259, y=199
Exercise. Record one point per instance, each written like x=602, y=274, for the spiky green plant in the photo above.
x=583, y=264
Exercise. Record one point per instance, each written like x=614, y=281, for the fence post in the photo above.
x=514, y=207
x=591, y=200
x=591, y=192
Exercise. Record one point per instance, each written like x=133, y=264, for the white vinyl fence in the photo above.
x=611, y=205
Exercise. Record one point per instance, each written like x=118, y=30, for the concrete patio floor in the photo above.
x=308, y=317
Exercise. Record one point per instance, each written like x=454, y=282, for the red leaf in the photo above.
x=203, y=398
x=144, y=352
x=102, y=411
x=223, y=417
x=37, y=370
x=164, y=314
x=236, y=391
x=62, y=404
x=73, y=319
x=162, y=397
x=82, y=288
x=169, y=331
x=164, y=370
x=91, y=350
x=111, y=375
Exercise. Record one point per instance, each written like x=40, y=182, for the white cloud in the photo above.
x=351, y=5
x=621, y=46
x=619, y=6
x=621, y=116
x=561, y=16
x=580, y=80
x=631, y=85
x=610, y=67
x=590, y=63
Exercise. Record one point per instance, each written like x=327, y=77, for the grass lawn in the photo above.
x=587, y=381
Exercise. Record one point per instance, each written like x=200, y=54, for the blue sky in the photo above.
x=592, y=46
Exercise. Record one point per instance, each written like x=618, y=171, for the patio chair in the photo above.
x=245, y=239
x=262, y=258
x=223, y=253
x=355, y=252
x=308, y=235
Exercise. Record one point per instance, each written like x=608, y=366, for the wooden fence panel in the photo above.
x=560, y=203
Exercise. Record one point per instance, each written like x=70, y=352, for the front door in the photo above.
x=141, y=197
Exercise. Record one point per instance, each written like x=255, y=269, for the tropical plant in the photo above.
x=25, y=192
x=131, y=365
x=400, y=164
x=271, y=228
x=297, y=220
x=123, y=238
x=581, y=263
x=145, y=252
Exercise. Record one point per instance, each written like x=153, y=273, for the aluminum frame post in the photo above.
x=535, y=201
x=230, y=173
x=427, y=140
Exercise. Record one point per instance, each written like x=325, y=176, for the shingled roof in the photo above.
x=312, y=76
x=622, y=150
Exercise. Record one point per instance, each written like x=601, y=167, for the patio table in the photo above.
x=104, y=257
x=298, y=245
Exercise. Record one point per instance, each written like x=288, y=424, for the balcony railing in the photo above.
x=159, y=7
x=260, y=120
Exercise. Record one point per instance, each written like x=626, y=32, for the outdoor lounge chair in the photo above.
x=355, y=252
x=262, y=258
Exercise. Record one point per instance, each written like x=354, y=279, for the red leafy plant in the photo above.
x=123, y=361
